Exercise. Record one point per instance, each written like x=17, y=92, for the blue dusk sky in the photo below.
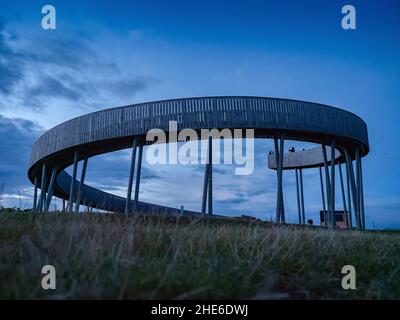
x=111, y=53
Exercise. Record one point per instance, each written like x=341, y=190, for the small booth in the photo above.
x=341, y=218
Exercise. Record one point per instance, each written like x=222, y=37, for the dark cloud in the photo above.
x=131, y=87
x=65, y=68
x=52, y=87
x=10, y=74
x=16, y=139
x=10, y=69
x=232, y=202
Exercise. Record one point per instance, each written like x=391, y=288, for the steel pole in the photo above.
x=281, y=154
x=348, y=195
x=210, y=187
x=322, y=189
x=42, y=188
x=81, y=182
x=333, y=219
x=34, y=208
x=362, y=196
x=279, y=151
x=131, y=173
x=360, y=199
x=278, y=202
x=343, y=193
x=138, y=173
x=298, y=195
x=328, y=184
x=71, y=190
x=51, y=188
x=303, y=215
x=323, y=196
x=205, y=185
x=353, y=188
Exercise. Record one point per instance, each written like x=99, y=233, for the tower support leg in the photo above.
x=130, y=182
x=210, y=181
x=51, y=189
x=322, y=194
x=343, y=196
x=303, y=215
x=328, y=187
x=207, y=186
x=34, y=207
x=298, y=195
x=360, y=190
x=81, y=182
x=72, y=188
x=279, y=151
x=42, y=189
x=354, y=190
x=333, y=219
x=350, y=218
x=138, y=173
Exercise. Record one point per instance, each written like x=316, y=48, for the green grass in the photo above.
x=116, y=257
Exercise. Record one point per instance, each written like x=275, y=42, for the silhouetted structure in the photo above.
x=126, y=127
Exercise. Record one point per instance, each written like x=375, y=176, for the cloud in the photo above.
x=10, y=69
x=16, y=139
x=46, y=71
x=52, y=87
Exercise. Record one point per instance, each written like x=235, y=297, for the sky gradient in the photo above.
x=105, y=54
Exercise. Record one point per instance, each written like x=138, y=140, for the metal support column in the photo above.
x=362, y=196
x=81, y=182
x=354, y=192
x=343, y=194
x=210, y=188
x=278, y=199
x=333, y=219
x=360, y=199
x=71, y=190
x=279, y=151
x=138, y=172
x=350, y=219
x=205, y=185
x=34, y=208
x=42, y=189
x=298, y=195
x=328, y=186
x=303, y=215
x=322, y=191
x=51, y=189
x=131, y=173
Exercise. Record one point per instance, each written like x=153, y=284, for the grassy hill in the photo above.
x=112, y=256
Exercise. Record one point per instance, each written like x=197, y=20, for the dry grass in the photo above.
x=110, y=256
